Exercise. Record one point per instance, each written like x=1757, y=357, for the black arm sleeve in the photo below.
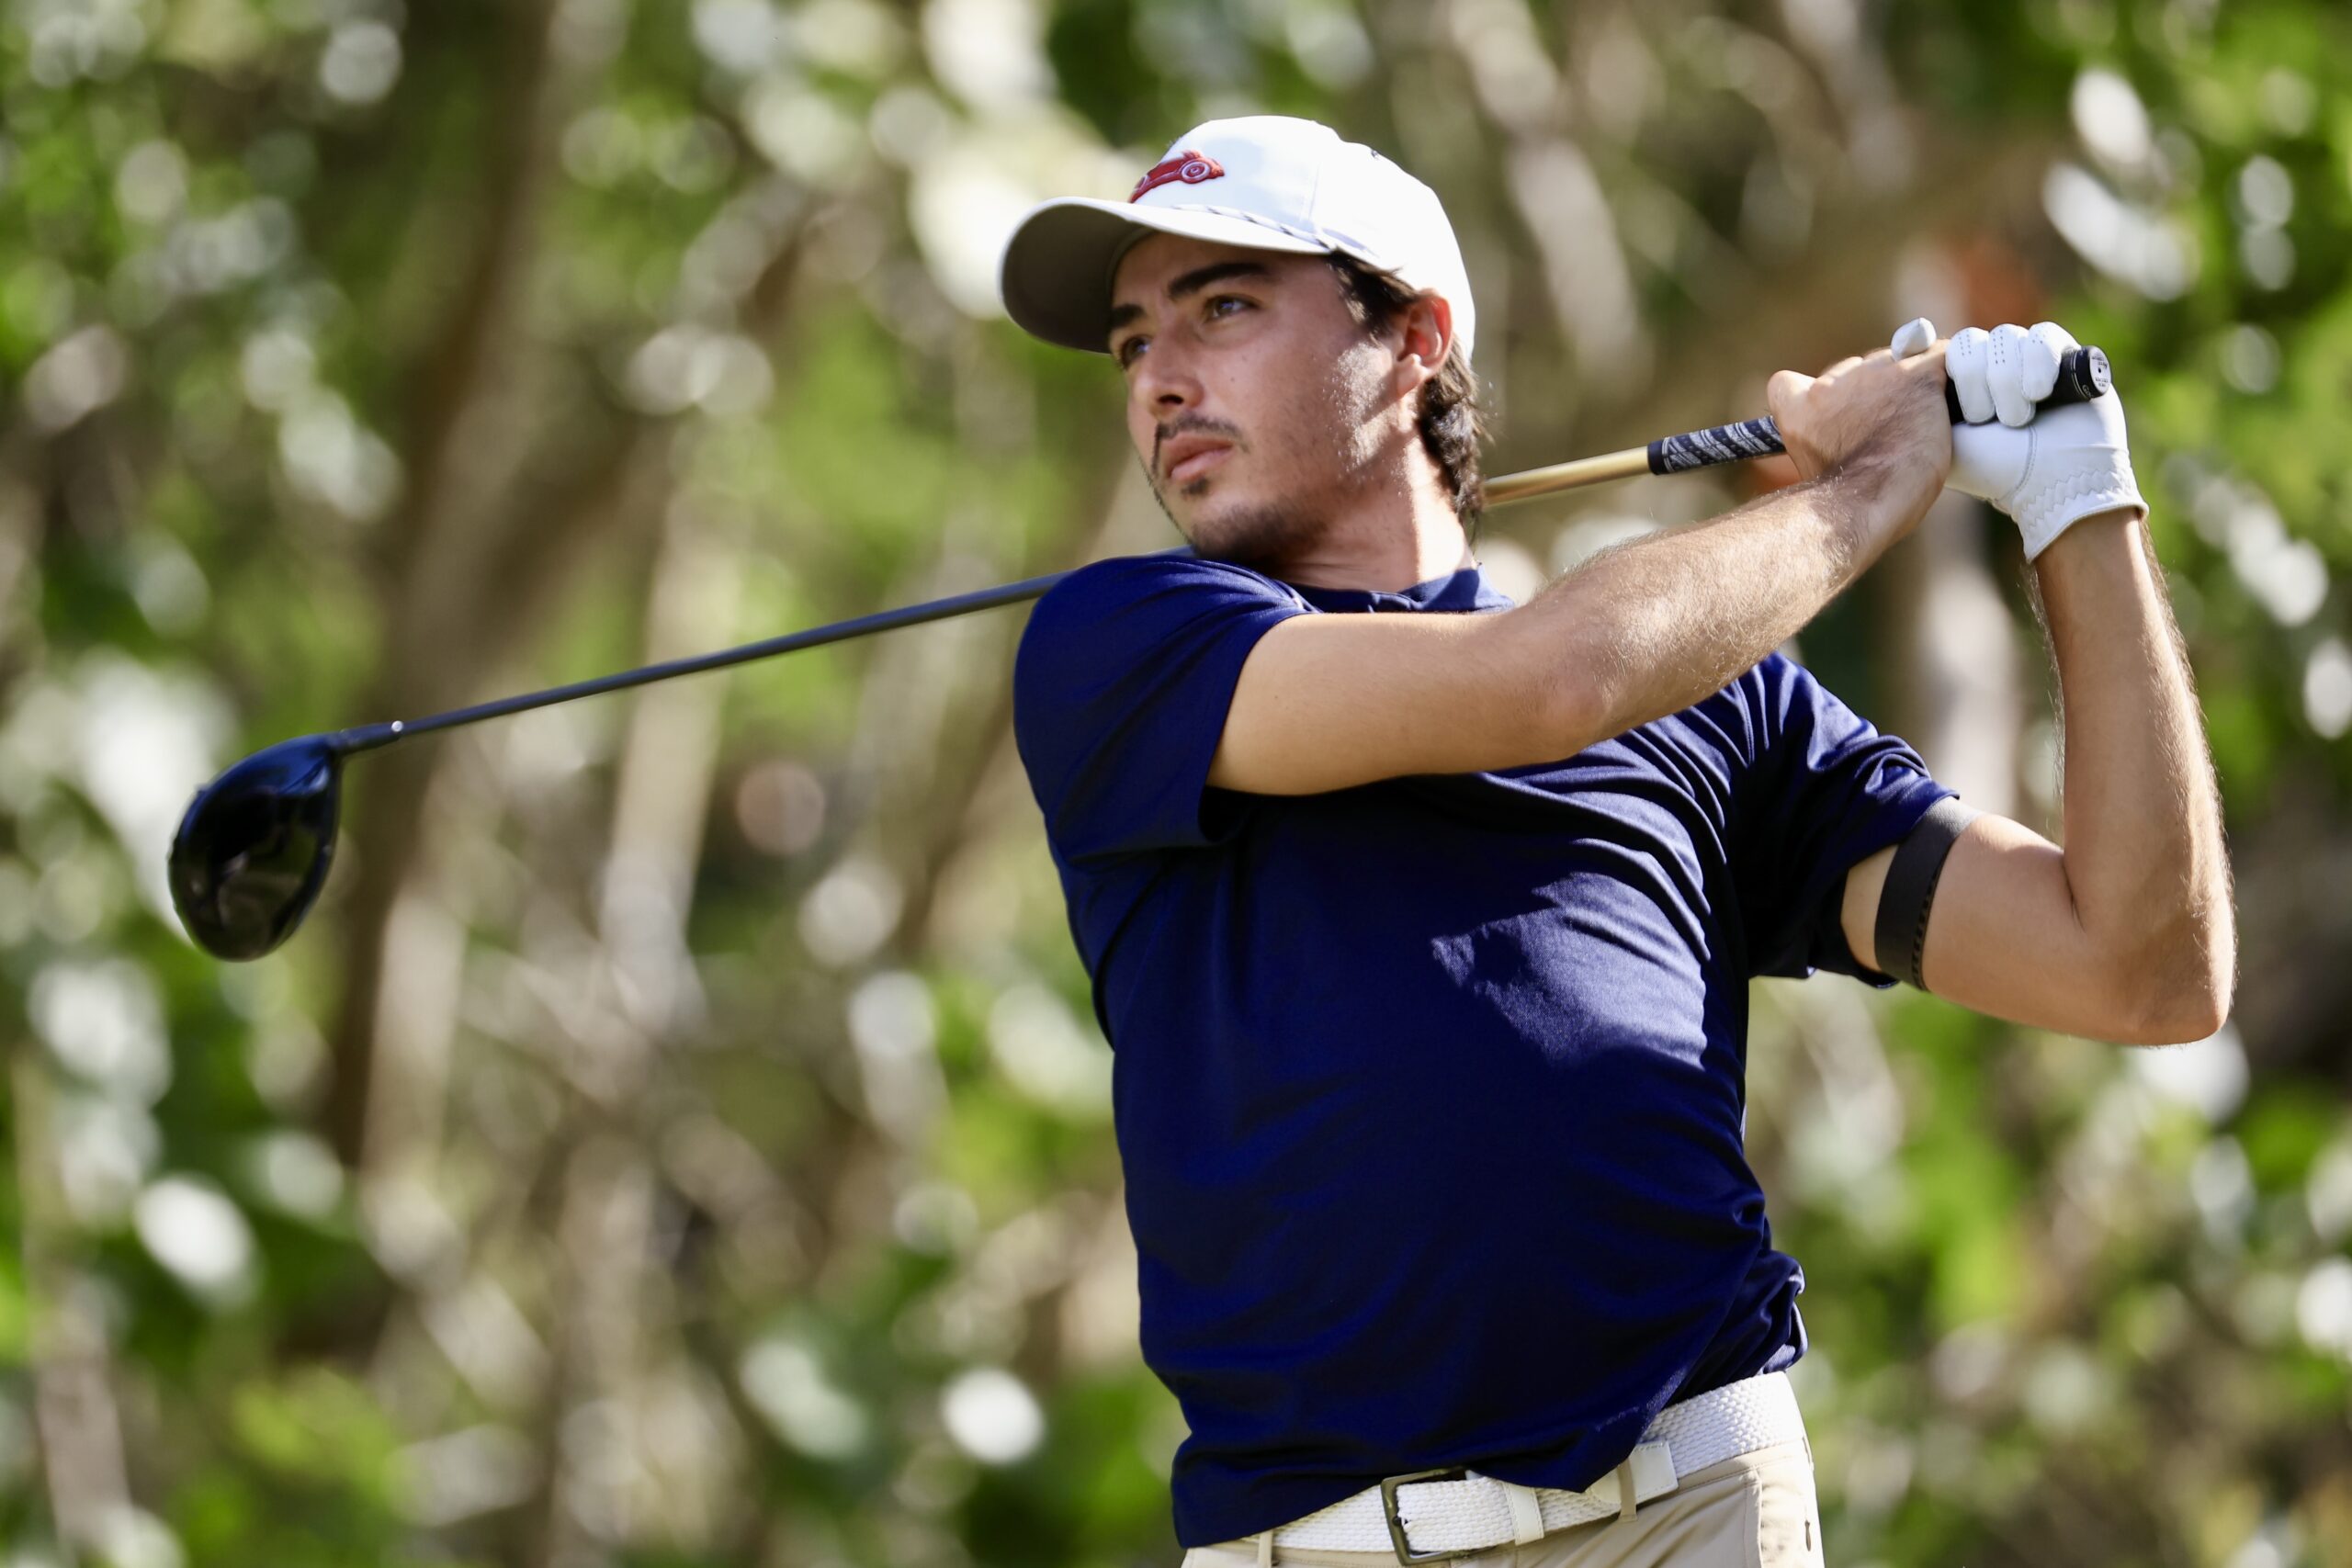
x=1901, y=932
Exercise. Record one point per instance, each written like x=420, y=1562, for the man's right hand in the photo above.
x=1874, y=412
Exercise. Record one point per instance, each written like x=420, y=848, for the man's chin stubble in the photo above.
x=1257, y=537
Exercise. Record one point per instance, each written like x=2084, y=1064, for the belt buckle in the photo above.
x=1405, y=1552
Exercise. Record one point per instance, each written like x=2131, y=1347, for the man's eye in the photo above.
x=1228, y=299
x=1125, y=354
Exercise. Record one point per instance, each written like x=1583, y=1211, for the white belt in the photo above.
x=1427, y=1520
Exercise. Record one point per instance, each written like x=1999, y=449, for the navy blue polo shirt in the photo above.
x=1430, y=1092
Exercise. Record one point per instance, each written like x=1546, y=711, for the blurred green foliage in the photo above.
x=682, y=1136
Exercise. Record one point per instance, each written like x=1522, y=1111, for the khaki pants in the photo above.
x=1753, y=1510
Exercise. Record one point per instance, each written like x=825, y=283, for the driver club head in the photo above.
x=254, y=848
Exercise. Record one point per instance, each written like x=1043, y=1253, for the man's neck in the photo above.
x=1384, y=549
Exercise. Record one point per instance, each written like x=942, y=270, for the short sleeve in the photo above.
x=1824, y=790
x=1120, y=693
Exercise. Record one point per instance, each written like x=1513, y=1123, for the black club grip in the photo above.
x=1723, y=444
x=2083, y=375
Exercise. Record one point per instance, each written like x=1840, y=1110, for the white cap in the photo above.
x=1269, y=182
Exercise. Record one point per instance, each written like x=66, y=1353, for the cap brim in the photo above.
x=1055, y=275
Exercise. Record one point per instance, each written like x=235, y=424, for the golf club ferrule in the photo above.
x=366, y=736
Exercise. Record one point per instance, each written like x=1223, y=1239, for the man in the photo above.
x=1422, y=924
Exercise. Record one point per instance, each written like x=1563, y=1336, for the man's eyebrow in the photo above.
x=1193, y=282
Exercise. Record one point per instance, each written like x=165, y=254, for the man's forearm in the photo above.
x=1648, y=628
x=2142, y=847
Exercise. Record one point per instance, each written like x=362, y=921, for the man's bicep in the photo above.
x=1327, y=702
x=2002, y=937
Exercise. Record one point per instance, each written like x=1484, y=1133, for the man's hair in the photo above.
x=1452, y=424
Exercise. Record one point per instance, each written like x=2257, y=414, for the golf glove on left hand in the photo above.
x=2046, y=469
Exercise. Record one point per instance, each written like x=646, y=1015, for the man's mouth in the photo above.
x=1198, y=462
x=1193, y=455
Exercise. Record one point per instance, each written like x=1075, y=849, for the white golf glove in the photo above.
x=2046, y=469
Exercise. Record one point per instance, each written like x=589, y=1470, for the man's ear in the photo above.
x=1426, y=332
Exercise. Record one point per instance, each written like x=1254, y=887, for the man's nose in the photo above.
x=1165, y=381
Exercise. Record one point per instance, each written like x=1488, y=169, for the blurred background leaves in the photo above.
x=682, y=1137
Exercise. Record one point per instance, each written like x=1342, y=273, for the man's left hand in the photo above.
x=2045, y=467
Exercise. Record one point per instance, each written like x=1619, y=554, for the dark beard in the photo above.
x=1263, y=537
x=1260, y=537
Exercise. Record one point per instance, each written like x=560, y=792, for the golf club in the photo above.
x=256, y=844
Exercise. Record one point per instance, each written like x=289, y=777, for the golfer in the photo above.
x=1422, y=924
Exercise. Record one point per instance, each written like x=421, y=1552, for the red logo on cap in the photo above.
x=1188, y=165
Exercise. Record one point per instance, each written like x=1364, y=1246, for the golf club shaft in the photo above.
x=2083, y=376
x=369, y=736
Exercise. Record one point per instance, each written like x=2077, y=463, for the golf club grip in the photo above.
x=2083, y=375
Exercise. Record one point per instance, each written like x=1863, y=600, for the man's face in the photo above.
x=1257, y=405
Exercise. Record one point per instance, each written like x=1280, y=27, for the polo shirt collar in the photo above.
x=1465, y=590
